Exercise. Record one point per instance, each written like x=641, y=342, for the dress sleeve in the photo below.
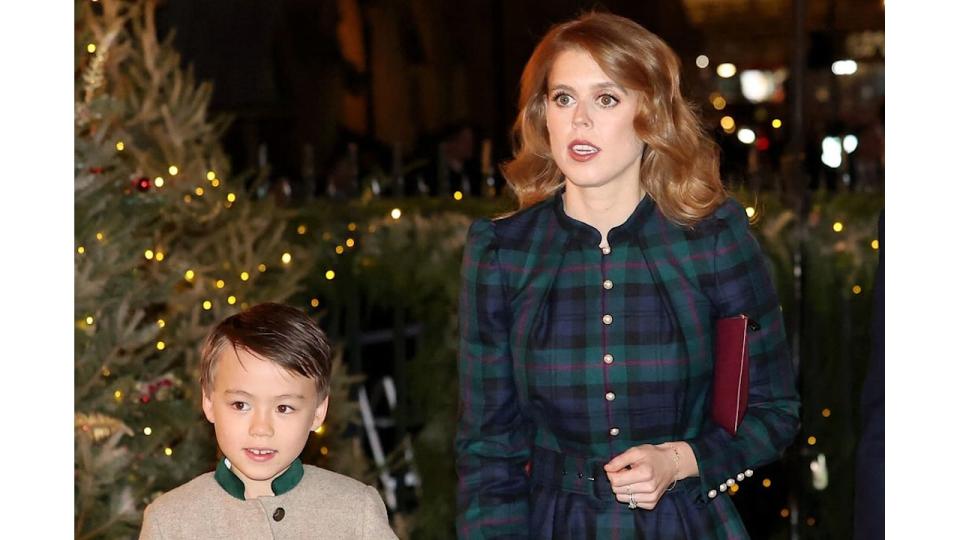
x=493, y=437
x=743, y=285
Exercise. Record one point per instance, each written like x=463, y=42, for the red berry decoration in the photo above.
x=142, y=183
x=96, y=170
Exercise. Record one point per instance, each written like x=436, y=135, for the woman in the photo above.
x=586, y=316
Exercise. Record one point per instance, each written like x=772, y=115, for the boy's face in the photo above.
x=262, y=415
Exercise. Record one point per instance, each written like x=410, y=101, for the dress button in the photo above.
x=608, y=358
x=740, y=477
x=605, y=250
x=608, y=319
x=730, y=482
x=614, y=431
x=748, y=473
x=712, y=494
x=607, y=284
x=278, y=514
x=610, y=396
x=723, y=487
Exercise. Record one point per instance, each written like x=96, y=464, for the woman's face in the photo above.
x=590, y=123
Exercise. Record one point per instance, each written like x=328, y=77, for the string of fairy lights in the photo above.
x=191, y=276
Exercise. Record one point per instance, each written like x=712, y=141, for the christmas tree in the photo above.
x=168, y=242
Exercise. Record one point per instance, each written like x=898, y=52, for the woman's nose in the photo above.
x=581, y=117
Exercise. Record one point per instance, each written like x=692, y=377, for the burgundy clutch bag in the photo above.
x=731, y=371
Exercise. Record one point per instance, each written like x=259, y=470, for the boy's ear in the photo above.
x=208, y=407
x=321, y=413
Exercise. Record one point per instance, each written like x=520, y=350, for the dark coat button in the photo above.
x=278, y=514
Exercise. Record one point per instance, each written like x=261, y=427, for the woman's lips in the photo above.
x=582, y=150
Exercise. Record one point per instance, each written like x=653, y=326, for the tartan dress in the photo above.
x=551, y=388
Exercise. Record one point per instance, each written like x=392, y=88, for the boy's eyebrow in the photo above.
x=248, y=394
x=290, y=396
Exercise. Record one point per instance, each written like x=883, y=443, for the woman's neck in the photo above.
x=602, y=207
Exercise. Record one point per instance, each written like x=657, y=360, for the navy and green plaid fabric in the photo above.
x=536, y=387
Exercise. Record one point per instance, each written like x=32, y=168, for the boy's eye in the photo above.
x=607, y=100
x=240, y=406
x=284, y=409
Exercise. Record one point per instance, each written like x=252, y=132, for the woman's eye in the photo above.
x=607, y=100
x=240, y=406
x=284, y=409
x=562, y=100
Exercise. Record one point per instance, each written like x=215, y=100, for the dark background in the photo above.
x=304, y=78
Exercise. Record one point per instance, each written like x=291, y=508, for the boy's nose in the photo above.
x=261, y=426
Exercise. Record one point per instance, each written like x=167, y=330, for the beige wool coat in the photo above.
x=323, y=505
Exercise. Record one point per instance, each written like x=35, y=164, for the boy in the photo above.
x=265, y=376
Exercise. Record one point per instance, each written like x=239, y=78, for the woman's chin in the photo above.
x=581, y=181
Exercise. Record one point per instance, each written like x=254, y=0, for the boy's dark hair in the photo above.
x=281, y=334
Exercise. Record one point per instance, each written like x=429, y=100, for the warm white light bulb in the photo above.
x=726, y=70
x=746, y=136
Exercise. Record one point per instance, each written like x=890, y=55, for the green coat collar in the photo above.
x=232, y=484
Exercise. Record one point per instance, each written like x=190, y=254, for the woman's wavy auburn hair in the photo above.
x=679, y=168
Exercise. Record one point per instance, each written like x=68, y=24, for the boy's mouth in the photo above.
x=260, y=454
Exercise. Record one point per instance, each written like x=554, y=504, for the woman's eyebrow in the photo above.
x=597, y=86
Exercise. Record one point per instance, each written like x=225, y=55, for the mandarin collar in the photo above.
x=232, y=484
x=582, y=233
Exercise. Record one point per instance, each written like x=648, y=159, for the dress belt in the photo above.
x=583, y=475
